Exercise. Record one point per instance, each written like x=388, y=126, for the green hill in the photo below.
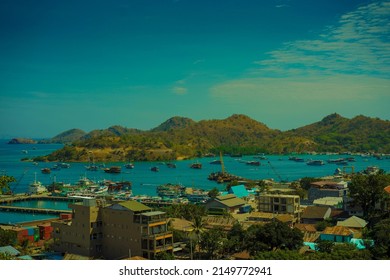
x=179, y=138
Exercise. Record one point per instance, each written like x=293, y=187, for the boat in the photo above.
x=46, y=170
x=129, y=166
x=297, y=159
x=63, y=165
x=196, y=165
x=253, y=162
x=36, y=187
x=92, y=167
x=171, y=165
x=113, y=169
x=155, y=169
x=217, y=161
x=370, y=170
x=315, y=162
x=170, y=190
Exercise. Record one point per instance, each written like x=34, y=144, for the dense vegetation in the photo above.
x=179, y=138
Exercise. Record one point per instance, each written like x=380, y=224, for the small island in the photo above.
x=22, y=141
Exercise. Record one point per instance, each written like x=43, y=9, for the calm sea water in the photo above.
x=145, y=181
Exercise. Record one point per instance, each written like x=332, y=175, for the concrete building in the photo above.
x=116, y=231
x=323, y=189
x=279, y=204
x=225, y=203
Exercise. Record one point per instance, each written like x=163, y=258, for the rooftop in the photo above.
x=134, y=206
x=315, y=212
x=338, y=230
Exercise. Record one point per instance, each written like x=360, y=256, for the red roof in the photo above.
x=387, y=189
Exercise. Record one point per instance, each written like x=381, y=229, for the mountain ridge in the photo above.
x=180, y=137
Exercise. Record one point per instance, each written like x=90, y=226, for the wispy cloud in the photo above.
x=347, y=66
x=358, y=44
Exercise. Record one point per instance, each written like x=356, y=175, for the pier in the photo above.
x=33, y=210
x=9, y=199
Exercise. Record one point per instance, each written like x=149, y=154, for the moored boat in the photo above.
x=46, y=170
x=315, y=162
x=196, y=165
x=113, y=169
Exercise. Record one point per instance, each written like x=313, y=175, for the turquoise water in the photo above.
x=43, y=204
x=145, y=181
x=16, y=217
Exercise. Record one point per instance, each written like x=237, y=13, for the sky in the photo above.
x=136, y=63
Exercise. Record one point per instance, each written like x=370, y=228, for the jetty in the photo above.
x=33, y=210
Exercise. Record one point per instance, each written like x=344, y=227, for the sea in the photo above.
x=144, y=181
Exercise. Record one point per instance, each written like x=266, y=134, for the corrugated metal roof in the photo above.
x=233, y=202
x=353, y=222
x=9, y=250
x=338, y=230
x=225, y=197
x=134, y=206
x=314, y=212
x=240, y=191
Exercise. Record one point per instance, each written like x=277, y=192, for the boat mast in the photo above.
x=222, y=164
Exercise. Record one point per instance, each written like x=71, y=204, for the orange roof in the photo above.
x=387, y=189
x=338, y=230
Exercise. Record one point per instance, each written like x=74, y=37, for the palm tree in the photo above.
x=197, y=227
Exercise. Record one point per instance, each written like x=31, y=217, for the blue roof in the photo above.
x=311, y=245
x=9, y=250
x=360, y=243
x=239, y=191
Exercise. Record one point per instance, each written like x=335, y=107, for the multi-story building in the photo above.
x=279, y=204
x=323, y=189
x=115, y=231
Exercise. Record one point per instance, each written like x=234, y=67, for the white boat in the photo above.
x=36, y=187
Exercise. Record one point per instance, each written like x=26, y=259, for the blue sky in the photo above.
x=136, y=63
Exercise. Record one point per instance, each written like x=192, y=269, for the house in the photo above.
x=315, y=214
x=279, y=204
x=116, y=231
x=353, y=222
x=240, y=191
x=321, y=189
x=310, y=233
x=225, y=203
x=337, y=234
x=333, y=202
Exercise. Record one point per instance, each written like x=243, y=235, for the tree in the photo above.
x=4, y=183
x=212, y=242
x=198, y=227
x=213, y=193
x=325, y=246
x=367, y=191
x=380, y=233
x=7, y=237
x=271, y=236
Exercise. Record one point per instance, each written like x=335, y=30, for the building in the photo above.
x=225, y=203
x=279, y=204
x=337, y=234
x=321, y=189
x=353, y=223
x=240, y=191
x=315, y=214
x=116, y=231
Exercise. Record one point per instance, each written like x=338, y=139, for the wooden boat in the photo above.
x=113, y=169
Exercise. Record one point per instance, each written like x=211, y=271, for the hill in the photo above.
x=335, y=133
x=179, y=138
x=68, y=136
x=173, y=123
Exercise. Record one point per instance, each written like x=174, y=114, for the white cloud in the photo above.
x=358, y=44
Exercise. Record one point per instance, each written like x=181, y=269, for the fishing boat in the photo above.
x=170, y=190
x=46, y=170
x=196, y=165
x=155, y=169
x=253, y=162
x=217, y=161
x=315, y=162
x=113, y=169
x=129, y=166
x=171, y=165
